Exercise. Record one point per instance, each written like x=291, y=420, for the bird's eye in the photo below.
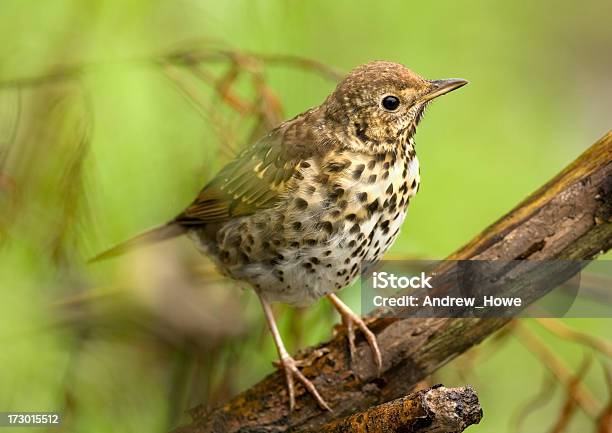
x=390, y=102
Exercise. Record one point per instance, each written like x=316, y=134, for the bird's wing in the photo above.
x=253, y=181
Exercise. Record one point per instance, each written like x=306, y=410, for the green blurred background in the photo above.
x=94, y=157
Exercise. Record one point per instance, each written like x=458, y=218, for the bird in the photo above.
x=299, y=213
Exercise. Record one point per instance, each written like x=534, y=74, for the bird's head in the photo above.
x=378, y=105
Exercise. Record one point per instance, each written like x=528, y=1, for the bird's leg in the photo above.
x=288, y=363
x=350, y=319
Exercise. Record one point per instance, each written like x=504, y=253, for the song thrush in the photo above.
x=296, y=214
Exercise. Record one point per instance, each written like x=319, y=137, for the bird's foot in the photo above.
x=350, y=320
x=290, y=366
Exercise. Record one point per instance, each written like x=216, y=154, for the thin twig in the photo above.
x=561, y=330
x=579, y=393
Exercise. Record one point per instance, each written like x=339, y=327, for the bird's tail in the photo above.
x=152, y=236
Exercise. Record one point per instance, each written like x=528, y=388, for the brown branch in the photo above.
x=604, y=424
x=569, y=407
x=568, y=218
x=561, y=330
x=437, y=409
x=577, y=390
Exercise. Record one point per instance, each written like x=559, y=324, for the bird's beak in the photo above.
x=440, y=87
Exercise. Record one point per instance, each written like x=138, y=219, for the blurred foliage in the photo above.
x=114, y=113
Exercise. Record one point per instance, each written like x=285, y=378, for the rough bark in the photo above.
x=433, y=410
x=570, y=217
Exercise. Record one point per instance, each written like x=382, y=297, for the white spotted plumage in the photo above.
x=298, y=255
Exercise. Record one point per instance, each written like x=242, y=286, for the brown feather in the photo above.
x=256, y=178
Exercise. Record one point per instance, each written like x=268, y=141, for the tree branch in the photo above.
x=570, y=217
x=437, y=409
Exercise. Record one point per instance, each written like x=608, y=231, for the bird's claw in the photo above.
x=290, y=366
x=350, y=320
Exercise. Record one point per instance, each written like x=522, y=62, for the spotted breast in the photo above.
x=336, y=215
